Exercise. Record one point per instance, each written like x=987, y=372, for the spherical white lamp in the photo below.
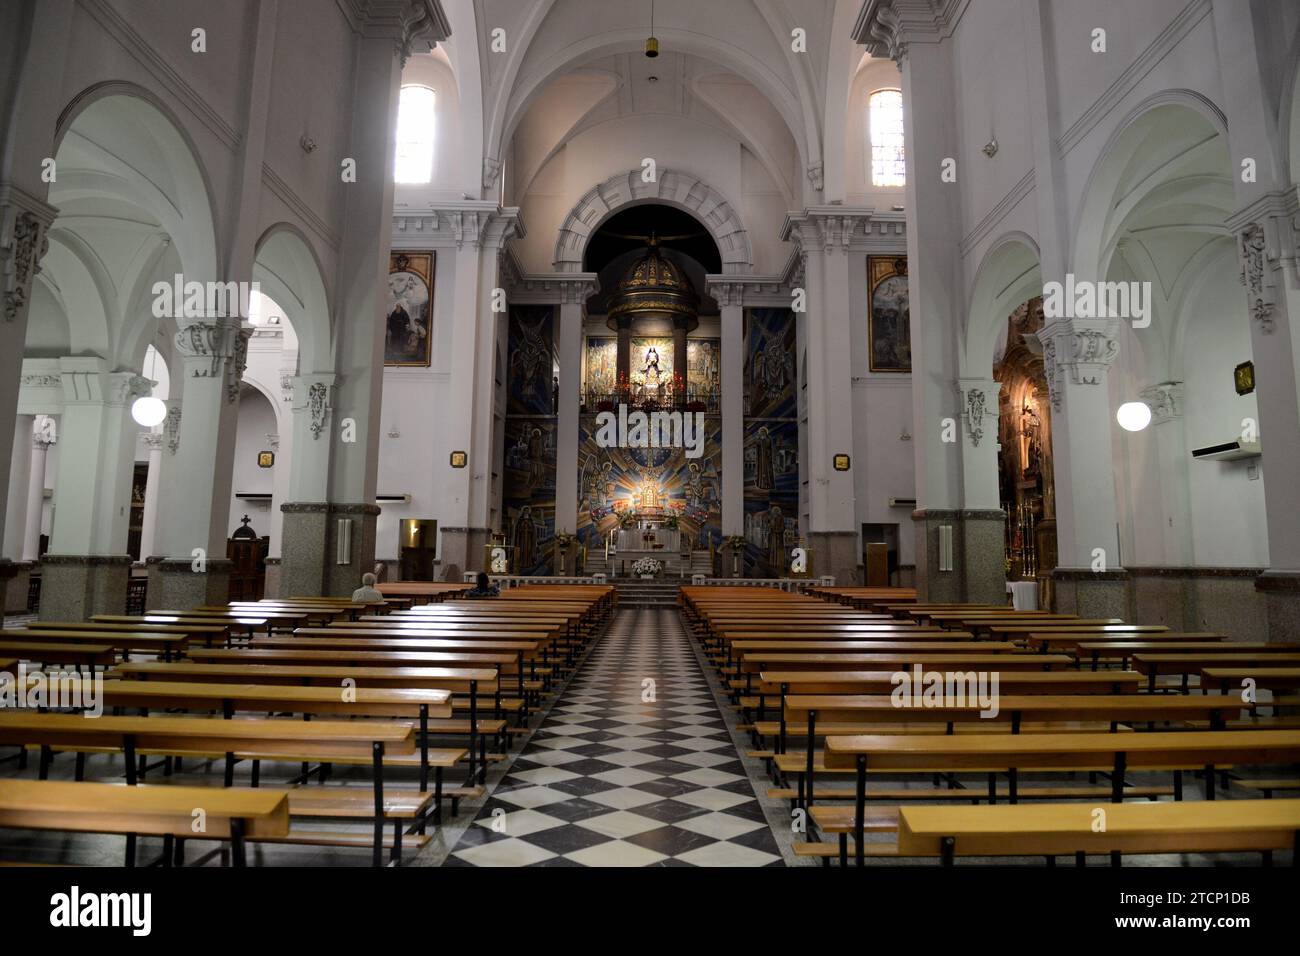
x=1133, y=416
x=148, y=411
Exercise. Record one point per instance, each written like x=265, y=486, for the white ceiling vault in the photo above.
x=709, y=50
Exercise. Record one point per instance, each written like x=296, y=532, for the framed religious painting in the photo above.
x=889, y=314
x=408, y=311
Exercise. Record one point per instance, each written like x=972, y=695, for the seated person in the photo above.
x=483, y=587
x=367, y=591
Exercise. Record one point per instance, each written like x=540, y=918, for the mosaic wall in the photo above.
x=703, y=363
x=528, y=492
x=610, y=479
x=771, y=442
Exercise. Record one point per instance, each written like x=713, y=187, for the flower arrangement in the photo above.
x=644, y=566
x=736, y=542
x=670, y=523
x=563, y=539
x=627, y=520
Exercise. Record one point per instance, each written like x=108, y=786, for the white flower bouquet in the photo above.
x=646, y=567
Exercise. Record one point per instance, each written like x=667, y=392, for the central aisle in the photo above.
x=632, y=767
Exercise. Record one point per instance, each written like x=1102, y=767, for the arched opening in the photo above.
x=134, y=212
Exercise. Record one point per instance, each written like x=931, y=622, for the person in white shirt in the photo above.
x=367, y=591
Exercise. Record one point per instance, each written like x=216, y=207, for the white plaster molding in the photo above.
x=1165, y=400
x=1146, y=61
x=670, y=186
x=886, y=27
x=172, y=425
x=24, y=240
x=979, y=401
x=999, y=212
x=1083, y=348
x=481, y=223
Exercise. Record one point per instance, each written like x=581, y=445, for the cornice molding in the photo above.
x=886, y=27
x=478, y=222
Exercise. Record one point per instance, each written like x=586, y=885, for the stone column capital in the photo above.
x=1165, y=400
x=1082, y=349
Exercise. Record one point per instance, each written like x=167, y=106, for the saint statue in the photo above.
x=653, y=377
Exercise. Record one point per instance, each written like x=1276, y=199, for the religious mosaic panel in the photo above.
x=531, y=370
x=771, y=456
x=528, y=490
x=616, y=483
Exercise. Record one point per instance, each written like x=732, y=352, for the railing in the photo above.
x=666, y=398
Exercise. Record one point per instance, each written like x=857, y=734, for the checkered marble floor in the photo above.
x=632, y=767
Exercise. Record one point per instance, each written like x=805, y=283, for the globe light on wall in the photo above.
x=148, y=411
x=1133, y=416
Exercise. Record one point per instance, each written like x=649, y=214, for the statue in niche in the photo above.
x=764, y=476
x=525, y=539
x=653, y=377
x=1031, y=439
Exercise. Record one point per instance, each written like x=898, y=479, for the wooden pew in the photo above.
x=234, y=814
x=290, y=740
x=195, y=632
x=167, y=646
x=1063, y=829
x=1232, y=677
x=901, y=661
x=846, y=714
x=247, y=626
x=1099, y=651
x=1154, y=665
x=1112, y=753
x=80, y=655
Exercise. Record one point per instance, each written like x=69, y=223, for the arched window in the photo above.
x=885, y=108
x=415, y=129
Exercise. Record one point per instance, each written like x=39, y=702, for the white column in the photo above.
x=154, y=440
x=1166, y=401
x=979, y=443
x=195, y=502
x=19, y=477
x=41, y=441
x=1077, y=355
x=93, y=487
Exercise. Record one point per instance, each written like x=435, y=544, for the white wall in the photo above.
x=256, y=420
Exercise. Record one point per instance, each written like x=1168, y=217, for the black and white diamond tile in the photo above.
x=610, y=779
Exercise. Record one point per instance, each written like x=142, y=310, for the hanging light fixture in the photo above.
x=652, y=43
x=147, y=410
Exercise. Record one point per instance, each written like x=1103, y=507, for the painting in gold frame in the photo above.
x=408, y=313
x=889, y=314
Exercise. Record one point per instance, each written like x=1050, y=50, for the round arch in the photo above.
x=1008, y=275
x=288, y=270
x=168, y=132
x=671, y=188
x=1186, y=112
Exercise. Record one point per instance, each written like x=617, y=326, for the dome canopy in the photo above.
x=654, y=288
